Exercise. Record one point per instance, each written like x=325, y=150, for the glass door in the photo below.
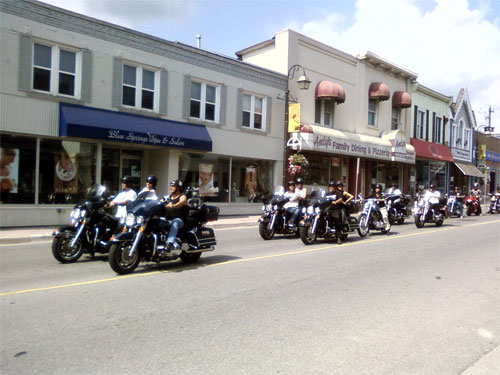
x=132, y=166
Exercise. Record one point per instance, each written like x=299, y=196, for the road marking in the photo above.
x=229, y=262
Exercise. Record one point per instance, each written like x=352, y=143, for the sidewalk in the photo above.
x=34, y=234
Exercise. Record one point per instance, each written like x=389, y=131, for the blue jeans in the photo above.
x=175, y=225
x=294, y=212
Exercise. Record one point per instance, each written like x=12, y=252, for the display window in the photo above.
x=17, y=169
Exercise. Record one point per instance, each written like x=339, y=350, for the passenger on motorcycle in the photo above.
x=126, y=196
x=292, y=206
x=377, y=194
x=301, y=190
x=432, y=197
x=339, y=199
x=176, y=212
x=393, y=190
x=477, y=193
x=151, y=182
x=459, y=200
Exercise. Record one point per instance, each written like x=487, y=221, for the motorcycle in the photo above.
x=426, y=212
x=90, y=228
x=494, y=207
x=317, y=221
x=371, y=218
x=472, y=204
x=275, y=217
x=397, y=208
x=146, y=230
x=452, y=204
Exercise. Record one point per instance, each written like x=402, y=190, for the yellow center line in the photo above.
x=263, y=257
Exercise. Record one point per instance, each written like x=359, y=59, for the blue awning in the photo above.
x=84, y=122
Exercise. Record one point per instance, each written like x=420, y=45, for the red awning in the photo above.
x=431, y=150
x=330, y=90
x=401, y=99
x=379, y=91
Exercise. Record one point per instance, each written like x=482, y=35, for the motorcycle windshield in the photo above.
x=145, y=207
x=97, y=191
x=279, y=190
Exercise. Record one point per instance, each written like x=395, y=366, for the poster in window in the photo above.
x=206, y=180
x=251, y=182
x=9, y=170
x=66, y=179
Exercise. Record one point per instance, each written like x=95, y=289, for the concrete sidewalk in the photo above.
x=34, y=234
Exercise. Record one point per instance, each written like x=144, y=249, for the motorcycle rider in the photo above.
x=495, y=199
x=292, y=206
x=459, y=200
x=377, y=194
x=346, y=196
x=151, y=182
x=126, y=196
x=339, y=198
x=393, y=189
x=301, y=190
x=176, y=212
x=476, y=192
x=432, y=197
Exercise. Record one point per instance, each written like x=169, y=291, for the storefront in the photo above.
x=462, y=171
x=360, y=161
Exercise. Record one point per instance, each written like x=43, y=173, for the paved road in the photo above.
x=419, y=301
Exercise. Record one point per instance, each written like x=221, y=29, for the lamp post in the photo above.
x=303, y=83
x=487, y=128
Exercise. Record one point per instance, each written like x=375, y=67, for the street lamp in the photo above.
x=487, y=128
x=303, y=83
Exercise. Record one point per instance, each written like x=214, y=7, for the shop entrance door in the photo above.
x=132, y=166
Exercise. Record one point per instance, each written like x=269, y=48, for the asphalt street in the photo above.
x=418, y=301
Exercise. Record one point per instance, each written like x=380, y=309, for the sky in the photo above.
x=450, y=44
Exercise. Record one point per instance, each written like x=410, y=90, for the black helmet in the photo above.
x=377, y=186
x=299, y=180
x=291, y=182
x=127, y=180
x=339, y=183
x=332, y=183
x=393, y=184
x=176, y=183
x=152, y=180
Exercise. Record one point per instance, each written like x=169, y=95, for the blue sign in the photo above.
x=492, y=156
x=84, y=122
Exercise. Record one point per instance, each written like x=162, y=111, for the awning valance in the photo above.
x=379, y=91
x=469, y=170
x=330, y=90
x=401, y=99
x=431, y=150
x=84, y=122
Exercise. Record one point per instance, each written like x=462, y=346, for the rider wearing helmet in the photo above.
x=377, y=194
x=150, y=187
x=338, y=199
x=477, y=193
x=393, y=189
x=176, y=211
x=300, y=189
x=292, y=206
x=126, y=196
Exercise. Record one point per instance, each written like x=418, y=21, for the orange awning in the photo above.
x=401, y=99
x=330, y=90
x=379, y=91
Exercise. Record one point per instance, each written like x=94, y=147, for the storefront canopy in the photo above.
x=330, y=90
x=83, y=122
x=469, y=170
x=429, y=150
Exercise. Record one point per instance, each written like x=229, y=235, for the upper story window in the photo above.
x=140, y=87
x=466, y=137
x=437, y=130
x=56, y=71
x=396, y=118
x=460, y=134
x=420, y=124
x=324, y=112
x=253, y=112
x=203, y=102
x=372, y=112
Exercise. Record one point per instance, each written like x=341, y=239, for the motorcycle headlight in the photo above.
x=130, y=220
x=275, y=207
x=269, y=207
x=263, y=208
x=75, y=214
x=317, y=210
x=140, y=220
x=310, y=210
x=83, y=213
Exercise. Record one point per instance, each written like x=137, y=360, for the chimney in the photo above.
x=198, y=41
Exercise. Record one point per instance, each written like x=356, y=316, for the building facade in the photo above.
x=86, y=102
x=488, y=162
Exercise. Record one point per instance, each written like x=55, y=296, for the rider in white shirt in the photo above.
x=432, y=196
x=151, y=182
x=292, y=206
x=125, y=197
x=393, y=190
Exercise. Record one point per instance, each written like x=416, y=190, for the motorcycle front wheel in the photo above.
x=265, y=232
x=419, y=222
x=64, y=252
x=120, y=261
x=363, y=228
x=307, y=236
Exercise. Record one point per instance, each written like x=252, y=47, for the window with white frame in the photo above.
x=460, y=134
x=372, y=112
x=420, y=124
x=324, y=112
x=396, y=118
x=139, y=87
x=56, y=70
x=466, y=137
x=454, y=130
x=437, y=131
x=204, y=101
x=253, y=112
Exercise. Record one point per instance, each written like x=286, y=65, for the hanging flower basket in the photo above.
x=297, y=164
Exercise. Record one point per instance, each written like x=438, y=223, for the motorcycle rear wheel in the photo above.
x=119, y=260
x=469, y=211
x=439, y=222
x=190, y=257
x=418, y=222
x=265, y=232
x=363, y=228
x=62, y=250
x=306, y=236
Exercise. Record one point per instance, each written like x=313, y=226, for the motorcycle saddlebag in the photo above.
x=209, y=213
x=203, y=237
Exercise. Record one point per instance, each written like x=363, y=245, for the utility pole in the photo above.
x=490, y=111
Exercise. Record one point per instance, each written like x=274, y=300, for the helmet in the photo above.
x=393, y=184
x=291, y=182
x=476, y=185
x=127, y=180
x=377, y=186
x=176, y=183
x=299, y=180
x=152, y=180
x=339, y=183
x=332, y=183
x=431, y=186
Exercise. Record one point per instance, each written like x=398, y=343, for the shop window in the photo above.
x=372, y=112
x=67, y=170
x=324, y=112
x=17, y=169
x=139, y=87
x=250, y=180
x=253, y=112
x=56, y=71
x=203, y=101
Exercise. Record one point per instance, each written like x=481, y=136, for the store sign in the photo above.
x=493, y=156
x=399, y=150
x=462, y=155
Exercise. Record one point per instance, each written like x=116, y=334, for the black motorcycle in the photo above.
x=275, y=217
x=371, y=218
x=147, y=230
x=426, y=212
x=318, y=222
x=494, y=207
x=397, y=207
x=90, y=228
